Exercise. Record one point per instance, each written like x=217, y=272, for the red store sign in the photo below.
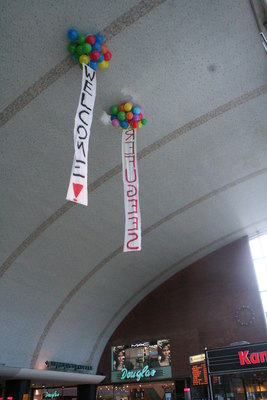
x=253, y=358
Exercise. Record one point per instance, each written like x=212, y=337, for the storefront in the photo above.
x=61, y=393
x=143, y=391
x=238, y=372
x=140, y=371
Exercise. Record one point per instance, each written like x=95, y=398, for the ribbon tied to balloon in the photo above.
x=129, y=118
x=91, y=53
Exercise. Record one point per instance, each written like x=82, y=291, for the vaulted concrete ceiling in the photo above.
x=198, y=68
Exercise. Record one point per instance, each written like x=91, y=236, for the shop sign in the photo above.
x=51, y=395
x=67, y=366
x=253, y=358
x=146, y=372
x=197, y=358
x=248, y=357
x=141, y=361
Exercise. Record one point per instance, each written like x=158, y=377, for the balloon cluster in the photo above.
x=89, y=49
x=127, y=115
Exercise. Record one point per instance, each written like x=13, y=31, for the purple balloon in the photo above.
x=136, y=117
x=115, y=122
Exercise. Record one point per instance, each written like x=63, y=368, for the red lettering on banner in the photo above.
x=130, y=148
x=131, y=157
x=126, y=176
x=132, y=192
x=133, y=205
x=130, y=135
x=135, y=222
x=132, y=240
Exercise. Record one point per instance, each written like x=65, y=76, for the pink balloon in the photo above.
x=115, y=122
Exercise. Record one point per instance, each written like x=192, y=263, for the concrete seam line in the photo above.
x=143, y=153
x=138, y=11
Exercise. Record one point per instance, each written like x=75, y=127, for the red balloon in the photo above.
x=90, y=39
x=107, y=56
x=134, y=124
x=94, y=55
x=140, y=116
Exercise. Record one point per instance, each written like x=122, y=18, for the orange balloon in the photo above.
x=129, y=115
x=104, y=48
x=121, y=107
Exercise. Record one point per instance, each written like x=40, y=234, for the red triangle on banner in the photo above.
x=77, y=187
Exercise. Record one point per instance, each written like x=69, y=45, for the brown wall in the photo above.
x=196, y=309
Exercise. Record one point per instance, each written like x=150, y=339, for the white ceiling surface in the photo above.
x=199, y=70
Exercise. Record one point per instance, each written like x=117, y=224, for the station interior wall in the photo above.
x=197, y=308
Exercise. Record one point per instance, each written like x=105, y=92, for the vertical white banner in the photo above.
x=132, y=236
x=77, y=190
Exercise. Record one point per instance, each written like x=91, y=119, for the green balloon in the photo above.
x=81, y=39
x=80, y=50
x=144, y=121
x=121, y=116
x=113, y=110
x=76, y=54
x=86, y=48
x=72, y=48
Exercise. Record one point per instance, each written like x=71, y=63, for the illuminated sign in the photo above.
x=51, y=395
x=137, y=374
x=253, y=358
x=141, y=361
x=248, y=357
x=199, y=374
x=197, y=358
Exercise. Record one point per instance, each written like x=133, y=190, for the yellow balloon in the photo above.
x=84, y=59
x=103, y=65
x=127, y=107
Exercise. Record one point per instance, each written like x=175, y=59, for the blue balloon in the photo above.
x=75, y=59
x=99, y=38
x=96, y=46
x=124, y=124
x=101, y=58
x=113, y=117
x=136, y=110
x=73, y=34
x=93, y=65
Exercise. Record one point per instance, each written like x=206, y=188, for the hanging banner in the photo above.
x=77, y=190
x=132, y=236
